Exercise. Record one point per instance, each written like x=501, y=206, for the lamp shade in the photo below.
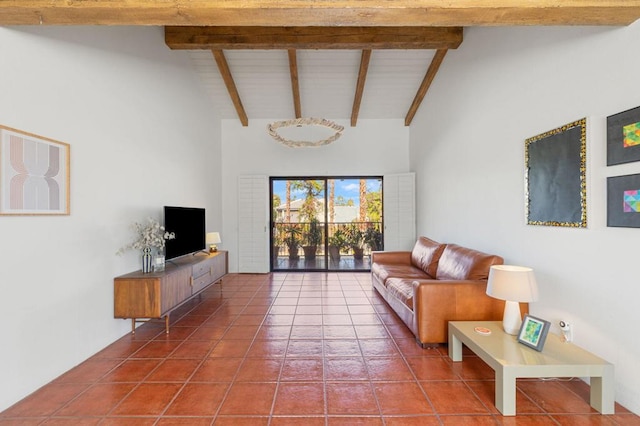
x=512, y=283
x=213, y=238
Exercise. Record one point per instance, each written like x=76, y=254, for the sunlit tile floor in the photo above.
x=291, y=349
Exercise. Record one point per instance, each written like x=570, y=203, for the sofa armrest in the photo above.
x=401, y=257
x=436, y=302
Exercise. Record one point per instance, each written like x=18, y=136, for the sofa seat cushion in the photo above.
x=425, y=255
x=396, y=270
x=461, y=263
x=402, y=290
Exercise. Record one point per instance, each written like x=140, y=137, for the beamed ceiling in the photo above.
x=335, y=59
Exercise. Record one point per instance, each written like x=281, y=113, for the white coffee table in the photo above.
x=511, y=360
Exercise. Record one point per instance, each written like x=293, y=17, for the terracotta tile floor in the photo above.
x=291, y=349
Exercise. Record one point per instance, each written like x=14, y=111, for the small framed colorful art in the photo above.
x=533, y=332
x=623, y=201
x=34, y=174
x=623, y=137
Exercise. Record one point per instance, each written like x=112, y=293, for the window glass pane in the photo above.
x=325, y=223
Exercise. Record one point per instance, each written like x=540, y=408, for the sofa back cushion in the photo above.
x=425, y=255
x=461, y=263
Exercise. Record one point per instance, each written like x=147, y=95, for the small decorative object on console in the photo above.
x=212, y=239
x=147, y=258
x=533, y=332
x=151, y=234
x=159, y=262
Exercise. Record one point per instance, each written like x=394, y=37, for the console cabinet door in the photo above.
x=137, y=298
x=176, y=288
x=218, y=266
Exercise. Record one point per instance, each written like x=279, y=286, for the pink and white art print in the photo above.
x=34, y=174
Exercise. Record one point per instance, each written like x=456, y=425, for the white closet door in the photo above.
x=399, y=213
x=253, y=224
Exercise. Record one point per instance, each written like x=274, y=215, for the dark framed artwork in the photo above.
x=623, y=137
x=533, y=332
x=555, y=177
x=623, y=201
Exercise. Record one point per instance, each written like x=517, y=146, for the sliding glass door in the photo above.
x=325, y=223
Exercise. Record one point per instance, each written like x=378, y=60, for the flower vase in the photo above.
x=146, y=260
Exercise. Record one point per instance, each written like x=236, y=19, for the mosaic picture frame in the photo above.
x=34, y=174
x=623, y=201
x=623, y=137
x=556, y=177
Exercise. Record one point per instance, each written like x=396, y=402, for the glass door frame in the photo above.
x=322, y=261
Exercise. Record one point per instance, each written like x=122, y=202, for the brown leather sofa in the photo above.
x=436, y=283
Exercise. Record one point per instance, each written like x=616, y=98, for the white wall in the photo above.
x=142, y=135
x=499, y=88
x=373, y=147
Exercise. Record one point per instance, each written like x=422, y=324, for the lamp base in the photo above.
x=213, y=248
x=512, y=319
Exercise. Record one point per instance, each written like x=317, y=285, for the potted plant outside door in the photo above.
x=337, y=242
x=292, y=237
x=313, y=238
x=355, y=240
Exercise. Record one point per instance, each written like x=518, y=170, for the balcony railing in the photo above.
x=311, y=239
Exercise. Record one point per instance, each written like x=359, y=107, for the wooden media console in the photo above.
x=155, y=295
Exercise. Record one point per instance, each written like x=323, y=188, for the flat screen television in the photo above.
x=188, y=225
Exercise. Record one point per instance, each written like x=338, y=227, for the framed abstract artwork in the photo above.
x=533, y=332
x=34, y=174
x=623, y=137
x=555, y=177
x=623, y=201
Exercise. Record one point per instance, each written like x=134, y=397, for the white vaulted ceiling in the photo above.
x=327, y=80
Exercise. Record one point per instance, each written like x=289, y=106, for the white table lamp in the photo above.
x=213, y=238
x=514, y=284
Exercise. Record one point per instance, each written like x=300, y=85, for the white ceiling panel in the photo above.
x=205, y=66
x=263, y=81
x=327, y=81
x=392, y=82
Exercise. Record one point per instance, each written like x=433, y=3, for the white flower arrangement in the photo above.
x=151, y=234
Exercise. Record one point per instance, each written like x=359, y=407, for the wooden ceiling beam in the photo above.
x=223, y=66
x=426, y=82
x=362, y=77
x=209, y=38
x=460, y=13
x=295, y=84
